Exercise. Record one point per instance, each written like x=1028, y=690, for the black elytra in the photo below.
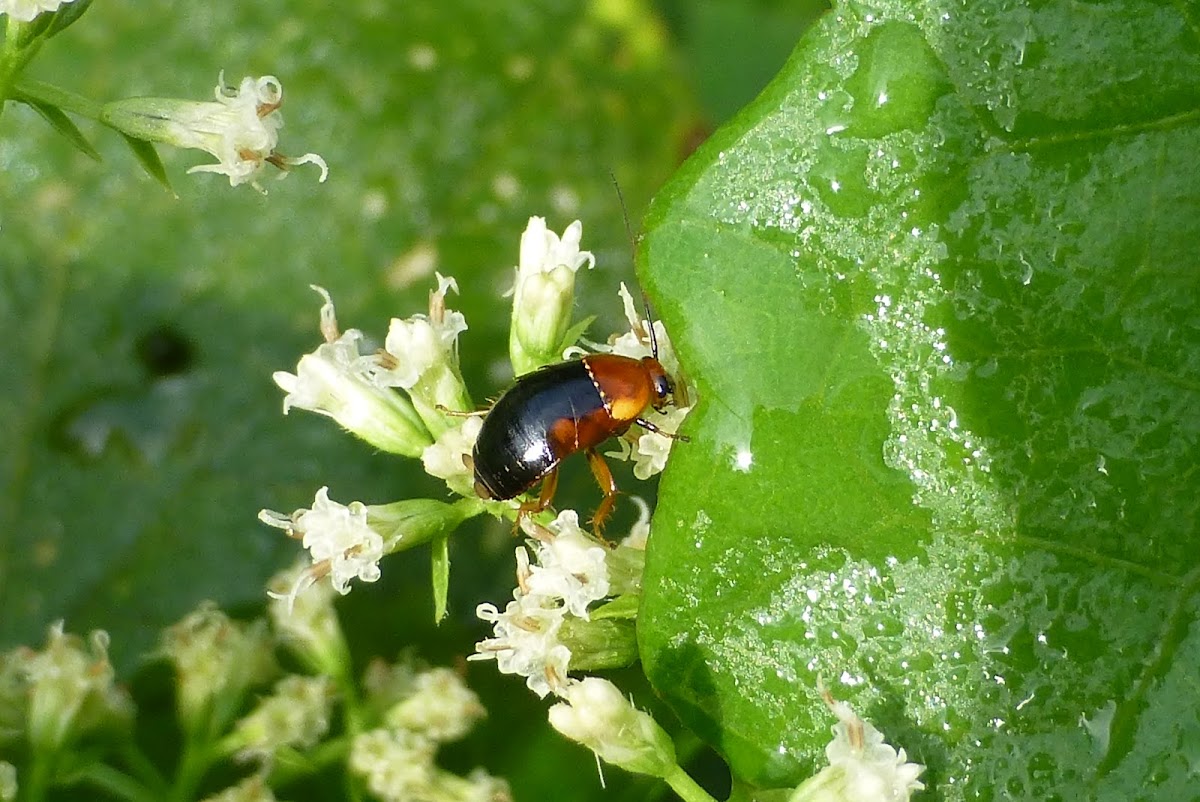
x=515, y=447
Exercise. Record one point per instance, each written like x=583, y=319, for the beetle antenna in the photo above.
x=650, y=326
x=625, y=217
x=633, y=257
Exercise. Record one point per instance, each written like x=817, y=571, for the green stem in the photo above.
x=10, y=59
x=116, y=783
x=682, y=784
x=192, y=767
x=285, y=769
x=34, y=784
x=144, y=769
x=355, y=720
x=63, y=99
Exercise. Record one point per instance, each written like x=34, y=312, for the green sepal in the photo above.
x=622, y=608
x=599, y=643
x=440, y=564
x=147, y=156
x=59, y=121
x=575, y=332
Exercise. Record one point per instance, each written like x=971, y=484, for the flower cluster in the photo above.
x=547, y=627
x=570, y=573
x=235, y=705
x=408, y=398
x=419, y=711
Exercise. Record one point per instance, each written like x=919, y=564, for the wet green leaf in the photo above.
x=938, y=289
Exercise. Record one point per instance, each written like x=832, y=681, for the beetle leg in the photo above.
x=604, y=478
x=454, y=413
x=545, y=496
x=645, y=424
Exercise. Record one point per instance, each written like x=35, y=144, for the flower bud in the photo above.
x=70, y=689
x=216, y=660
x=599, y=716
x=544, y=294
x=8, y=781
x=295, y=715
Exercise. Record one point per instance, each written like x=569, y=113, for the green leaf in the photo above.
x=59, y=122
x=938, y=289
x=148, y=158
x=440, y=565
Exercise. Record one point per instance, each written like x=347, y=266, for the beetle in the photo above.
x=559, y=410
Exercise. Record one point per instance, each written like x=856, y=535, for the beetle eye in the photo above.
x=662, y=387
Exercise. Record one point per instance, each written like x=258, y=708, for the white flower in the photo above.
x=397, y=764
x=69, y=688
x=307, y=623
x=415, y=344
x=341, y=542
x=240, y=129
x=445, y=458
x=639, y=533
x=440, y=707
x=26, y=10
x=526, y=642
x=571, y=566
x=421, y=356
x=215, y=660
x=544, y=293
x=636, y=343
x=542, y=251
x=862, y=768
x=333, y=381
x=252, y=789
x=597, y=715
x=295, y=715
x=653, y=448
